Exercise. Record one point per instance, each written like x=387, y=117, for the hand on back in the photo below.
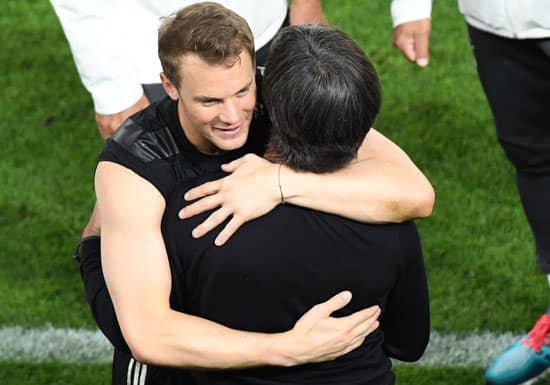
x=248, y=193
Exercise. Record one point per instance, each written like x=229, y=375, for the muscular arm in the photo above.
x=138, y=277
x=383, y=185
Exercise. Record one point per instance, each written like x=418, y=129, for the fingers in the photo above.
x=338, y=301
x=367, y=326
x=335, y=303
x=422, y=45
x=355, y=333
x=228, y=230
x=349, y=338
x=324, y=338
x=358, y=336
x=213, y=220
x=243, y=160
x=412, y=39
x=366, y=316
x=407, y=48
x=404, y=41
x=415, y=47
x=204, y=189
x=325, y=309
x=200, y=206
x=232, y=166
x=208, y=201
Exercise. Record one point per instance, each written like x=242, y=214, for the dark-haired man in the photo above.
x=274, y=269
x=510, y=41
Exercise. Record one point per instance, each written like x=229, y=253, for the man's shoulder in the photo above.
x=146, y=145
x=146, y=135
x=393, y=237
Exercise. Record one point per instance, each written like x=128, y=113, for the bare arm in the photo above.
x=107, y=124
x=383, y=185
x=306, y=12
x=138, y=277
x=103, y=59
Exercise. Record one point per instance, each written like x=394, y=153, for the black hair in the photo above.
x=322, y=95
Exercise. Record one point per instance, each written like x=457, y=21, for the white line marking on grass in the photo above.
x=54, y=344
x=473, y=350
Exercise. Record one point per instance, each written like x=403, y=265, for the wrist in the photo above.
x=291, y=184
x=280, y=350
x=281, y=193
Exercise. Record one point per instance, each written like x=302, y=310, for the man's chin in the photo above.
x=230, y=144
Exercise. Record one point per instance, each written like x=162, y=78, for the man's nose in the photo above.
x=230, y=112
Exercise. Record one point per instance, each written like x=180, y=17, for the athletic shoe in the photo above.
x=525, y=359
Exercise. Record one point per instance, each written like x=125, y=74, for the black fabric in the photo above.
x=102, y=308
x=97, y=295
x=154, y=92
x=278, y=266
x=120, y=367
x=515, y=75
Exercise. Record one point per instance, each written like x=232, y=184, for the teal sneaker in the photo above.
x=523, y=360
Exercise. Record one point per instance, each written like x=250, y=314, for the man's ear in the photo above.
x=170, y=89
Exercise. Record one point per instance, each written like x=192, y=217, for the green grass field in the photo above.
x=478, y=248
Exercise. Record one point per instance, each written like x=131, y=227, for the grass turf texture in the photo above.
x=60, y=374
x=479, y=252
x=54, y=374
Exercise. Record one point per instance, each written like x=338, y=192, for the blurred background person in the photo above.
x=511, y=46
x=114, y=45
